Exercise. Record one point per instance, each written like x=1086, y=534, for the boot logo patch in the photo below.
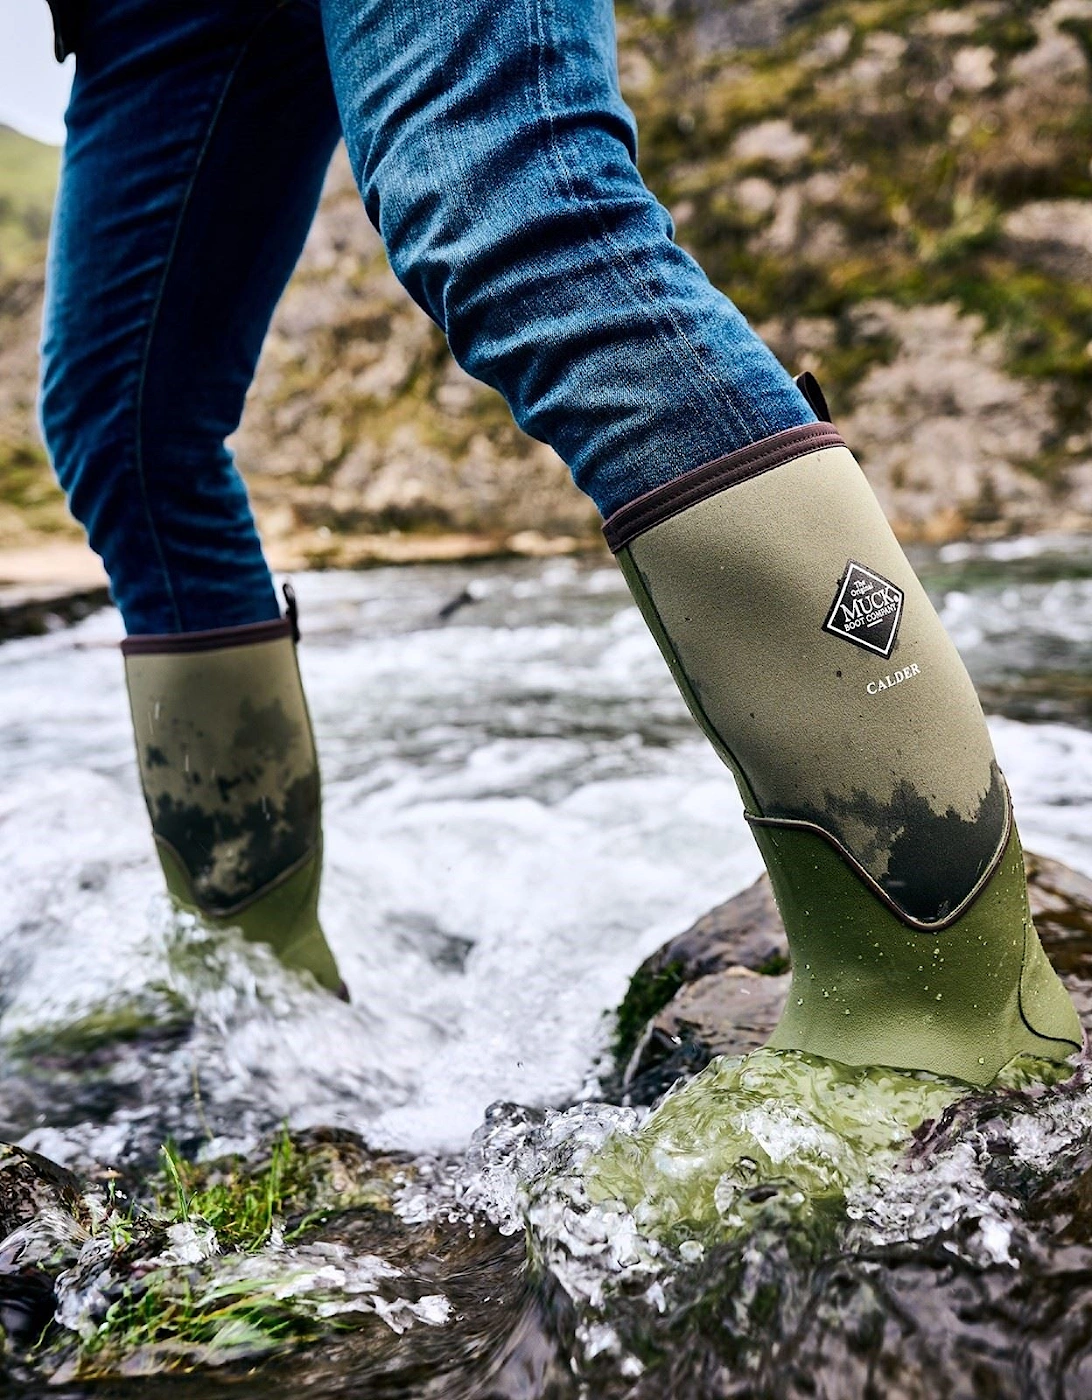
x=867, y=610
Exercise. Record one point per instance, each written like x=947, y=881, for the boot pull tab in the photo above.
x=292, y=610
x=817, y=400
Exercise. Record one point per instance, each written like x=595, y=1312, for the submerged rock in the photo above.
x=784, y=1226
x=719, y=988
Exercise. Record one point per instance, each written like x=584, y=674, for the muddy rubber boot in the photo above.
x=809, y=653
x=230, y=776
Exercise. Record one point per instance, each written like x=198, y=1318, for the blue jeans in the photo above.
x=496, y=157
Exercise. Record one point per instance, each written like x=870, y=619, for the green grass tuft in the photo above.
x=182, y=1315
x=174, y=1314
x=240, y=1202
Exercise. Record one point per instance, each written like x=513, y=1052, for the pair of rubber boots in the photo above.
x=809, y=653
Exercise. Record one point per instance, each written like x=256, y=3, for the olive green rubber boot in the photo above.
x=809, y=653
x=230, y=777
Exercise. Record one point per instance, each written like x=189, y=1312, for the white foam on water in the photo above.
x=503, y=847
x=518, y=810
x=1049, y=771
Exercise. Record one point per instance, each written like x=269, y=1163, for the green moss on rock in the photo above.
x=648, y=992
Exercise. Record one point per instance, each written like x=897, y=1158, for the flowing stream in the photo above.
x=518, y=810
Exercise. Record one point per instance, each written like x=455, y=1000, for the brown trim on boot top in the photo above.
x=215, y=639
x=662, y=502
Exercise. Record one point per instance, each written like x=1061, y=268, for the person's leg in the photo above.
x=198, y=137
x=495, y=155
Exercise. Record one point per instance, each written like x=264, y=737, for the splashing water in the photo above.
x=777, y=1225
x=772, y=1126
x=718, y=1229
x=772, y=1137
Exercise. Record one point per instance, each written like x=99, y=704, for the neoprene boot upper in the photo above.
x=230, y=777
x=810, y=654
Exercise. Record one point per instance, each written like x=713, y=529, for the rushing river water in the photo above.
x=518, y=810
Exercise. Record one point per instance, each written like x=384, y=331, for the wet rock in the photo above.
x=310, y=1238
x=30, y=1184
x=115, y=1057
x=32, y=1190
x=719, y=988
x=1061, y=905
x=727, y=1013
x=31, y=611
x=27, y=1302
x=720, y=983
x=746, y=931
x=1058, y=697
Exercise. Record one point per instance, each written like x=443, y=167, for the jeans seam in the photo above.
x=153, y=319
x=618, y=258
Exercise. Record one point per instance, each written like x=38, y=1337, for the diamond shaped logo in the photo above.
x=867, y=610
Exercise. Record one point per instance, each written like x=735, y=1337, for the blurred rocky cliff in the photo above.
x=897, y=193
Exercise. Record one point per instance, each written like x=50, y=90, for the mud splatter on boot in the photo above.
x=230, y=777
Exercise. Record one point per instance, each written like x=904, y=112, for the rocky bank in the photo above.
x=897, y=193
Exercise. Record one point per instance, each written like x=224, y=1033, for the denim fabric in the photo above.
x=199, y=132
x=495, y=156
